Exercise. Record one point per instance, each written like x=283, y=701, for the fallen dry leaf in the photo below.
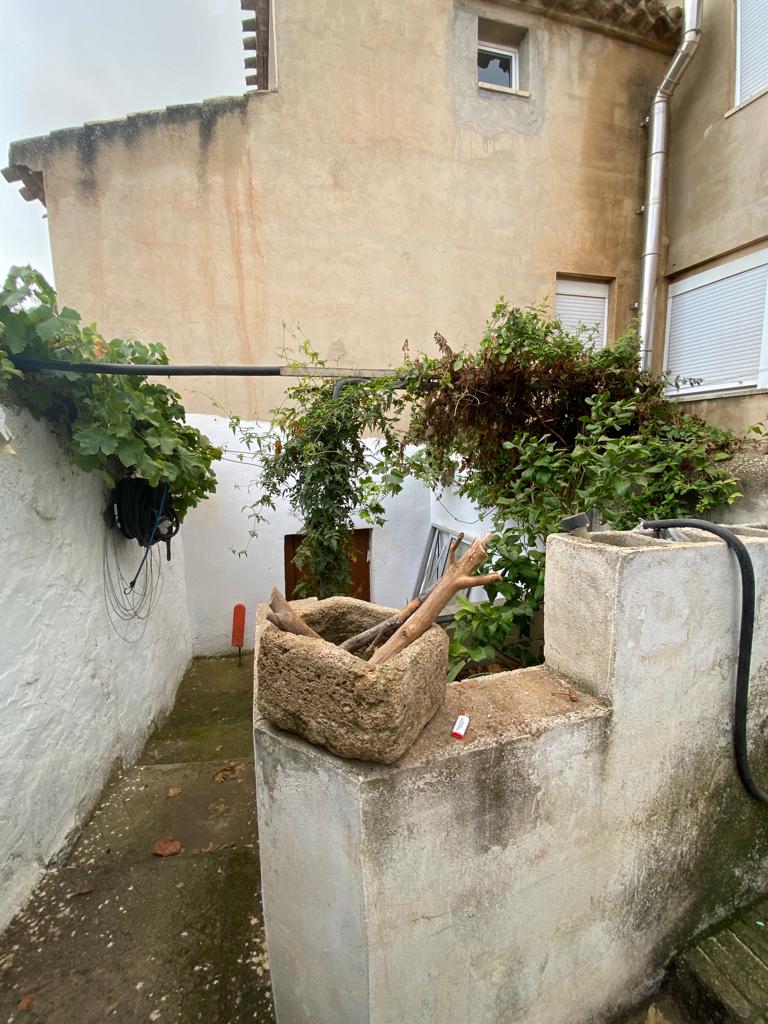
x=26, y=1001
x=217, y=808
x=229, y=771
x=219, y=748
x=82, y=891
x=207, y=849
x=570, y=694
x=175, y=791
x=166, y=847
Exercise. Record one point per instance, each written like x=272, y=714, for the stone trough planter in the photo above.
x=335, y=699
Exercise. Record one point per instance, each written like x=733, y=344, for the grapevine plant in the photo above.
x=114, y=425
x=532, y=426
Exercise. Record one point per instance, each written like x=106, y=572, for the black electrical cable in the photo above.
x=33, y=364
x=746, y=630
x=125, y=604
x=145, y=514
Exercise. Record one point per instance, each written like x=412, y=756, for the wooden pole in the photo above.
x=455, y=578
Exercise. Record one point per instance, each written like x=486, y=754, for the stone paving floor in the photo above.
x=116, y=933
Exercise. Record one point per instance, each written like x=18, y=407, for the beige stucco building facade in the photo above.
x=371, y=190
x=717, y=218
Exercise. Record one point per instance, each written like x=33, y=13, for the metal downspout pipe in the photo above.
x=656, y=172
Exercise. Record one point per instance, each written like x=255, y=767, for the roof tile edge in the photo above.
x=651, y=23
x=26, y=157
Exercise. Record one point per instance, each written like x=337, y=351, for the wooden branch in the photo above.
x=285, y=618
x=383, y=630
x=452, y=551
x=455, y=578
x=361, y=640
x=467, y=582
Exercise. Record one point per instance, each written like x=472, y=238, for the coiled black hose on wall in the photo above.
x=746, y=630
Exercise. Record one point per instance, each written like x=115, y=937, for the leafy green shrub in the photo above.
x=537, y=426
x=114, y=424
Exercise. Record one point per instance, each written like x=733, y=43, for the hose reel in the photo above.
x=144, y=513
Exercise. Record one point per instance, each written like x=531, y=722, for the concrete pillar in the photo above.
x=543, y=869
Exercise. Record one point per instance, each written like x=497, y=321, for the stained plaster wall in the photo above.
x=719, y=153
x=74, y=697
x=217, y=578
x=717, y=201
x=377, y=195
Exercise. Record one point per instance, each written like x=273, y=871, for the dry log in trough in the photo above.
x=376, y=635
x=285, y=618
x=455, y=578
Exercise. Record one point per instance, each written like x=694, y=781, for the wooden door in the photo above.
x=359, y=564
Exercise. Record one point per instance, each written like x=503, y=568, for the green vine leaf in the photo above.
x=115, y=425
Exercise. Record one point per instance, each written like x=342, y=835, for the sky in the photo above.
x=69, y=61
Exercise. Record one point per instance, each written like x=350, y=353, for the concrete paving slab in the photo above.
x=206, y=805
x=119, y=934
x=178, y=939
x=212, y=715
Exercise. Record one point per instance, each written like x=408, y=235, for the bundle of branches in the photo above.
x=529, y=376
x=388, y=638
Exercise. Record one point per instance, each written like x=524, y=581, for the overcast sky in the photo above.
x=69, y=61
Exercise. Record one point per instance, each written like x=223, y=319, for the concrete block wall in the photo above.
x=74, y=697
x=545, y=868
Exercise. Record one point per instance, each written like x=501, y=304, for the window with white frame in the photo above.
x=435, y=558
x=498, y=66
x=582, y=308
x=751, y=48
x=717, y=326
x=502, y=56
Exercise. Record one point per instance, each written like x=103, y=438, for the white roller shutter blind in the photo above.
x=580, y=304
x=716, y=328
x=752, y=48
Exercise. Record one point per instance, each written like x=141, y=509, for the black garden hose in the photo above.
x=746, y=630
x=138, y=509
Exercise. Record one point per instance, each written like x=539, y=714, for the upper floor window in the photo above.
x=497, y=66
x=502, y=56
x=751, y=48
x=717, y=326
x=582, y=308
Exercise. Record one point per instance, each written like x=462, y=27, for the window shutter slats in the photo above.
x=576, y=310
x=716, y=330
x=753, y=48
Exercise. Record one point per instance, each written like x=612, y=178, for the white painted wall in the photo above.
x=74, y=697
x=453, y=512
x=217, y=579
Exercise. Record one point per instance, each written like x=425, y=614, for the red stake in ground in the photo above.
x=238, y=630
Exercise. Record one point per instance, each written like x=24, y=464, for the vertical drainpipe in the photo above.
x=656, y=172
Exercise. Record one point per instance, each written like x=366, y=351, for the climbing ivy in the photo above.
x=114, y=425
x=317, y=457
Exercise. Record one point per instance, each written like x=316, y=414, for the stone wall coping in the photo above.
x=507, y=707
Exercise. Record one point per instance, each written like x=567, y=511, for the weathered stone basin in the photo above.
x=335, y=699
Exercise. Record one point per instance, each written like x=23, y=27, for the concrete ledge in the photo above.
x=546, y=867
x=502, y=708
